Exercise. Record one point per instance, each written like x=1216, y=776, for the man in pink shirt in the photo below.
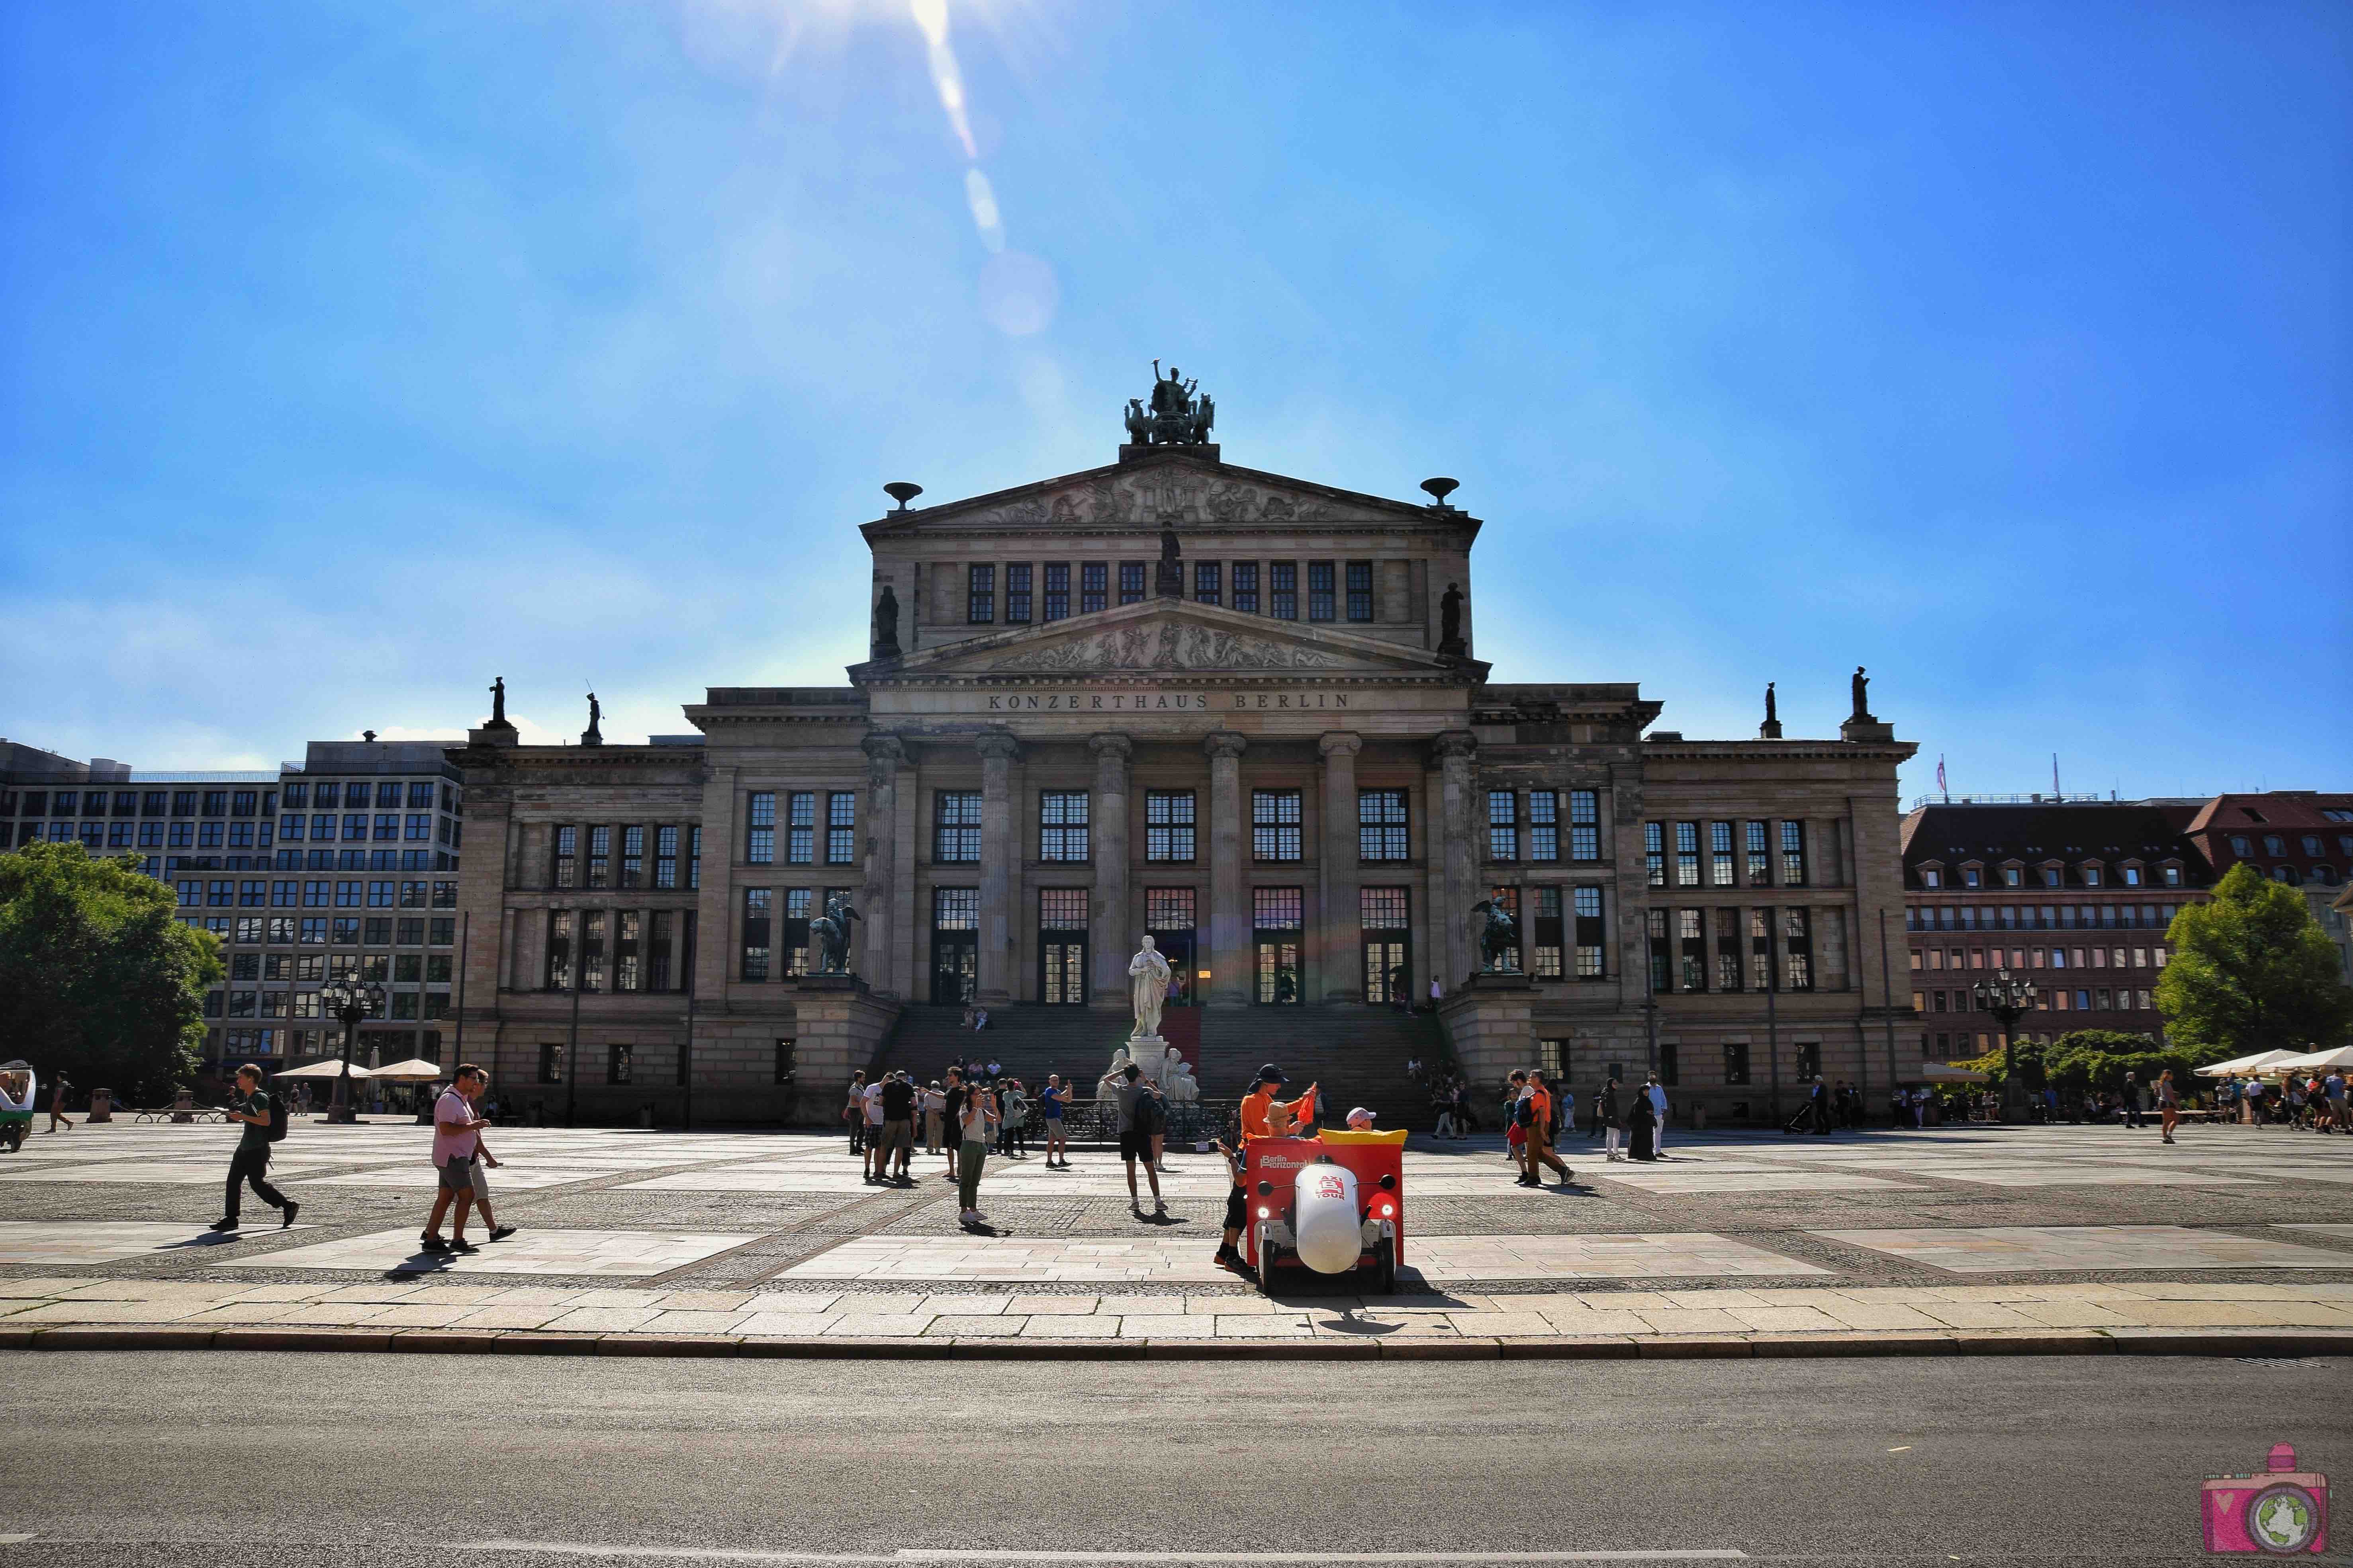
x=456, y=1140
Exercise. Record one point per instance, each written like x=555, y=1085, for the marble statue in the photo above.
x=1114, y=1076
x=1449, y=620
x=886, y=625
x=1148, y=976
x=1177, y=1082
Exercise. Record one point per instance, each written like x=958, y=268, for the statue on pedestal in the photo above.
x=886, y=625
x=1860, y=686
x=593, y=735
x=1450, y=621
x=830, y=931
x=1177, y=1082
x=1148, y=977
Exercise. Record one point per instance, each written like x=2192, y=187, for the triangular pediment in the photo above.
x=1166, y=636
x=1175, y=490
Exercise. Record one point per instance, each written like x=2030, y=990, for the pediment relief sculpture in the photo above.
x=1170, y=646
x=1163, y=496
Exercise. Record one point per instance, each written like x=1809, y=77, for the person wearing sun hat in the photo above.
x=1263, y=1116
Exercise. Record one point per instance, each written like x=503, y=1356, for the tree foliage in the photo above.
x=2253, y=971
x=98, y=981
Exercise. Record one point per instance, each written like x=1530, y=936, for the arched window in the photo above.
x=2284, y=873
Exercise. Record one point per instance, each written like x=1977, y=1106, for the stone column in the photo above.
x=1455, y=750
x=1229, y=916
x=877, y=903
x=1107, y=814
x=1000, y=843
x=1342, y=928
x=716, y=936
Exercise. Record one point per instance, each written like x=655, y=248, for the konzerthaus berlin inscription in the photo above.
x=1240, y=712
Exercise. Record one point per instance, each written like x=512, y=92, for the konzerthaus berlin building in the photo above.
x=1240, y=711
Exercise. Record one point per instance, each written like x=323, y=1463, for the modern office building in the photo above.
x=343, y=864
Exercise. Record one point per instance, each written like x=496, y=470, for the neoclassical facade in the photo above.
x=1240, y=711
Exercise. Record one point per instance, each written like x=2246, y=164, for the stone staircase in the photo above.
x=1029, y=1042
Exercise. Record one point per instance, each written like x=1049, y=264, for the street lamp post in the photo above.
x=2006, y=996
x=350, y=1001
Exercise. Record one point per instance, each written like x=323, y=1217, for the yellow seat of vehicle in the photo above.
x=1350, y=1135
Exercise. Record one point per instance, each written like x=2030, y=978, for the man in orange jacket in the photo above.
x=1262, y=1116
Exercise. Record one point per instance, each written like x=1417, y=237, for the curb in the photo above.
x=1607, y=1347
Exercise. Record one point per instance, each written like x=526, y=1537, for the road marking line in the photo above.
x=958, y=1554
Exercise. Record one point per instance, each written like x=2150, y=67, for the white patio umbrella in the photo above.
x=331, y=1067
x=2261, y=1061
x=2342, y=1057
x=415, y=1069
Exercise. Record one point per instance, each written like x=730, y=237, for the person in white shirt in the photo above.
x=1657, y=1094
x=877, y=1159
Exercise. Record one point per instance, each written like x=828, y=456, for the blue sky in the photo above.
x=351, y=354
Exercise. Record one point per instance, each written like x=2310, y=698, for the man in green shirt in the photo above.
x=251, y=1162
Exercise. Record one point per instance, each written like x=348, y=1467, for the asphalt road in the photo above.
x=204, y=1458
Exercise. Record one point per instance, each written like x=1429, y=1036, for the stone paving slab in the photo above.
x=1717, y=1179
x=1443, y=1258
x=2003, y=1249
x=425, y=1178
x=566, y=1252
x=159, y=1172
x=111, y=1241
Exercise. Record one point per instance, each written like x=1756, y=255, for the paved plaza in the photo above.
x=753, y=1235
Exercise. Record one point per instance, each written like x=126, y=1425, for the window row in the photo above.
x=2057, y=999
x=800, y=825
x=621, y=1063
x=2029, y=917
x=380, y=895
x=1730, y=950
x=1738, y=854
x=1538, y=832
x=433, y=969
x=769, y=948
x=418, y=796
x=2089, y=874
x=338, y=931
x=632, y=840
x=1037, y=592
x=619, y=950
x=395, y=1004
x=2021, y=958
x=2274, y=843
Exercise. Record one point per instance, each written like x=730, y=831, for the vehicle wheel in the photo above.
x=1385, y=1267
x=1265, y=1263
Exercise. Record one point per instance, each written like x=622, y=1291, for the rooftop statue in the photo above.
x=1173, y=416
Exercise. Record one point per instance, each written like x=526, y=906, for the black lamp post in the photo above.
x=349, y=1000
x=2006, y=996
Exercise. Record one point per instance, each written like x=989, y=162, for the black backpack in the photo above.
x=1149, y=1116
x=277, y=1119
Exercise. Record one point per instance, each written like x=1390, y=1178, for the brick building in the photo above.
x=1240, y=711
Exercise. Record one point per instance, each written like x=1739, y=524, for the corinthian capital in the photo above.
x=885, y=752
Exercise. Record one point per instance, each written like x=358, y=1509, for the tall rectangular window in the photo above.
x=658, y=949
x=1063, y=824
x=600, y=857
x=1283, y=590
x=955, y=827
x=1206, y=587
x=1061, y=908
x=955, y=908
x=1381, y=825
x=1168, y=825
x=1584, y=824
x=1586, y=903
x=1277, y=909
x=1760, y=871
x=1360, y=590
x=1169, y=908
x=568, y=857
x=1719, y=850
x=1322, y=591
x=1735, y=1066
x=1094, y=587
x=1686, y=854
x=666, y=857
x=693, y=860
x=1544, y=953
x=1728, y=966
x=592, y=950
x=800, y=828
x=841, y=827
x=980, y=597
x=633, y=856
x=1246, y=585
x=1797, y=950
x=1793, y=854
x=758, y=902
x=1654, y=854
x=1058, y=591
x=1502, y=824
x=628, y=939
x=1131, y=582
x=760, y=828
x=794, y=939
x=1761, y=949
x=1543, y=825
x=1274, y=824
x=1016, y=594
x=1663, y=961
x=559, y=950
x=1691, y=950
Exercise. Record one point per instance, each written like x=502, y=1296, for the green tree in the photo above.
x=2085, y=1060
x=97, y=980
x=2252, y=971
